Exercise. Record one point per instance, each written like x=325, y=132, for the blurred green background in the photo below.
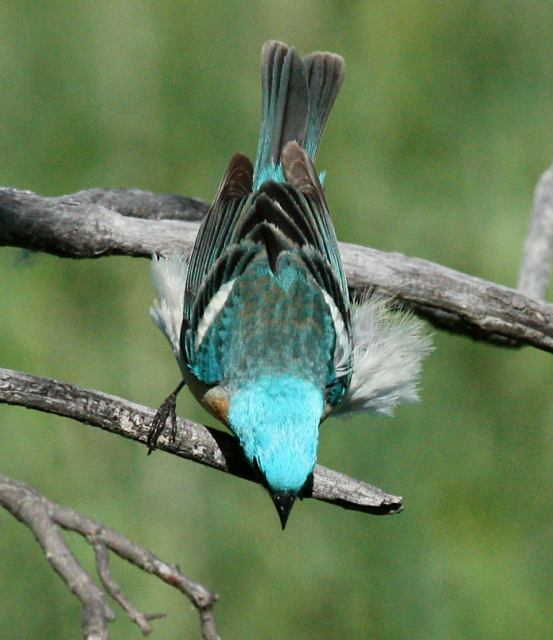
x=434, y=148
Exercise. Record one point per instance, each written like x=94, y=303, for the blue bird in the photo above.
x=260, y=318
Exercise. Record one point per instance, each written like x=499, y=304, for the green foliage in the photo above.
x=434, y=149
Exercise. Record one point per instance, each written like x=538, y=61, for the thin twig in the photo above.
x=207, y=446
x=112, y=587
x=44, y=518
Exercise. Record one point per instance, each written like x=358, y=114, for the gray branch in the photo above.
x=101, y=552
x=535, y=272
x=207, y=446
x=90, y=224
x=45, y=518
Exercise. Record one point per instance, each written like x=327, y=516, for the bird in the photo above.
x=259, y=317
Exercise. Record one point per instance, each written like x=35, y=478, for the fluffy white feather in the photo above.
x=388, y=348
x=169, y=276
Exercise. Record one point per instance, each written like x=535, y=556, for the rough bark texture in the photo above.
x=82, y=226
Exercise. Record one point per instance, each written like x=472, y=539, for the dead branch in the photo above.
x=535, y=272
x=45, y=518
x=90, y=224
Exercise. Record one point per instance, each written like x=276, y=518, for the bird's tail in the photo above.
x=298, y=95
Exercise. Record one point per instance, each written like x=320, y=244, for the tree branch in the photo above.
x=210, y=447
x=90, y=224
x=45, y=518
x=141, y=619
x=538, y=248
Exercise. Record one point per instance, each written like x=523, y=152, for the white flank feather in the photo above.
x=169, y=276
x=342, y=352
x=388, y=348
x=215, y=305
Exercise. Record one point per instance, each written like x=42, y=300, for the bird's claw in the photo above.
x=166, y=411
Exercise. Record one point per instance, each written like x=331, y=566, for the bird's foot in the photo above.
x=166, y=411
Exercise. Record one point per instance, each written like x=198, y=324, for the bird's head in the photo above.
x=276, y=419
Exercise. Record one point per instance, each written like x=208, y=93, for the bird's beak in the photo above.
x=284, y=501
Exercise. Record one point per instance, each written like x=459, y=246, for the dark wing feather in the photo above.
x=271, y=240
x=227, y=267
x=217, y=227
x=301, y=175
x=266, y=210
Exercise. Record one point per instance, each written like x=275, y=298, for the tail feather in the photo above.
x=325, y=76
x=298, y=95
x=285, y=107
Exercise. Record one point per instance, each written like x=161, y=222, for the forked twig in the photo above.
x=45, y=518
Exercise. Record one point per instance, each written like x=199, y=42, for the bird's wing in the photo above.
x=319, y=230
x=217, y=227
